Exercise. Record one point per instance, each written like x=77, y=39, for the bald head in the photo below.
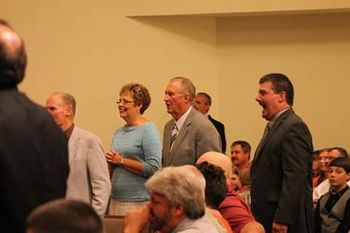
x=219, y=160
x=13, y=58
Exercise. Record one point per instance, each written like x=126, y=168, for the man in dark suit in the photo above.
x=189, y=134
x=281, y=172
x=33, y=149
x=202, y=103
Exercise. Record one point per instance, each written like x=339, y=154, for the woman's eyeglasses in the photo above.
x=122, y=101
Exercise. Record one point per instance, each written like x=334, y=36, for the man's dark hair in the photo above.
x=215, y=184
x=207, y=97
x=280, y=82
x=13, y=61
x=342, y=152
x=341, y=162
x=65, y=216
x=244, y=144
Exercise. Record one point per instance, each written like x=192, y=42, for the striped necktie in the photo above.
x=174, y=134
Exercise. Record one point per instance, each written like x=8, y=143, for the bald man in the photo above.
x=33, y=149
x=232, y=208
x=88, y=179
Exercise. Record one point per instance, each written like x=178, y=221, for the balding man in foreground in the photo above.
x=33, y=150
x=232, y=208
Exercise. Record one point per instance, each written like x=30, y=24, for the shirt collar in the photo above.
x=179, y=123
x=276, y=116
x=68, y=132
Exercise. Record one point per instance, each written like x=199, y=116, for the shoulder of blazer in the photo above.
x=169, y=124
x=193, y=114
x=79, y=133
x=215, y=122
x=284, y=116
x=75, y=133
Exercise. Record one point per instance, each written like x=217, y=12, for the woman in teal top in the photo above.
x=135, y=153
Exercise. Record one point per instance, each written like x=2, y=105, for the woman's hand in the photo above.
x=113, y=158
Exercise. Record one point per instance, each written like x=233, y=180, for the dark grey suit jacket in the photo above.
x=196, y=136
x=33, y=159
x=221, y=130
x=281, y=176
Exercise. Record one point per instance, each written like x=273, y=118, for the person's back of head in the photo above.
x=13, y=58
x=337, y=151
x=215, y=184
x=181, y=186
x=220, y=160
x=64, y=216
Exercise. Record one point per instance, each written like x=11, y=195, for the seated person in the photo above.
x=320, y=163
x=235, y=180
x=240, y=156
x=323, y=188
x=177, y=203
x=232, y=208
x=215, y=191
x=332, y=214
x=243, y=191
x=64, y=216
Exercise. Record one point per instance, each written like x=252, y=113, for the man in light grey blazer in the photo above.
x=88, y=178
x=189, y=134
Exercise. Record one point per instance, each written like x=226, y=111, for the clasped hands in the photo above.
x=113, y=158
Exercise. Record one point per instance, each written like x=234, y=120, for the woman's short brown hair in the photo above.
x=139, y=93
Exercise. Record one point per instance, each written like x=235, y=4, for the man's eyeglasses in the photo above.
x=125, y=101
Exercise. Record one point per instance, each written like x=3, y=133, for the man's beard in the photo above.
x=158, y=224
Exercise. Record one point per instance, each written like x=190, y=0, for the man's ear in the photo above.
x=69, y=111
x=207, y=107
x=187, y=98
x=178, y=211
x=282, y=96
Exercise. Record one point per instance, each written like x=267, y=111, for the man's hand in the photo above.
x=279, y=228
x=136, y=220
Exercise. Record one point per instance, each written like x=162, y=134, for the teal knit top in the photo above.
x=141, y=143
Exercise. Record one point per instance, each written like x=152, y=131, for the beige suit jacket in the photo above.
x=88, y=178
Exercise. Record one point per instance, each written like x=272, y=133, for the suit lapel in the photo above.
x=73, y=143
x=181, y=136
x=269, y=135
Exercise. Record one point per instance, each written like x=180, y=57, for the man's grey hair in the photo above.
x=181, y=186
x=187, y=86
x=68, y=99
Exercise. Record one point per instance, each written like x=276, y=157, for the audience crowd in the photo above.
x=56, y=177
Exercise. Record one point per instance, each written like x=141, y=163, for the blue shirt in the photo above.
x=142, y=143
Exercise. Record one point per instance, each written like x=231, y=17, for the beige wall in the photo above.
x=313, y=50
x=90, y=49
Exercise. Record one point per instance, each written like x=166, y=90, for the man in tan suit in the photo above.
x=189, y=134
x=88, y=178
